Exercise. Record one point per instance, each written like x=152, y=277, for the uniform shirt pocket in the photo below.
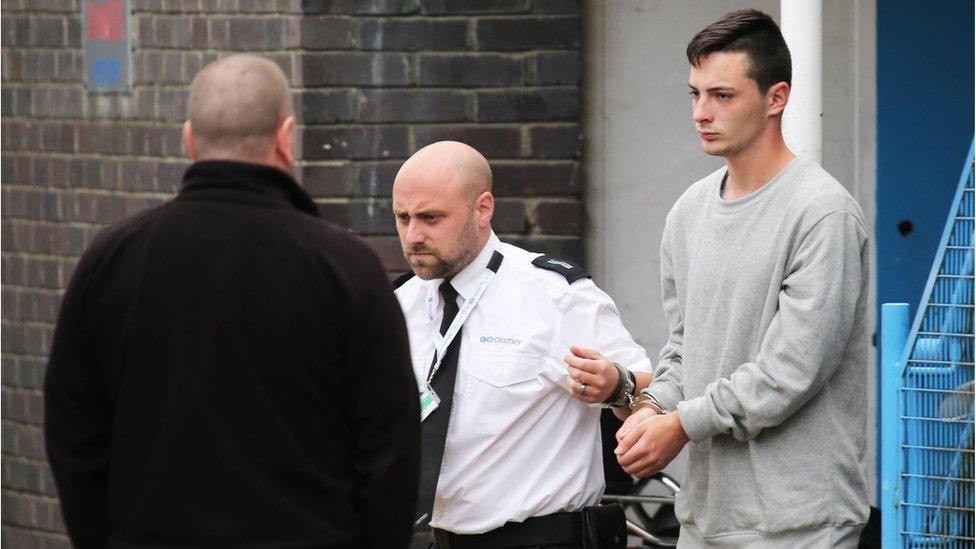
x=502, y=387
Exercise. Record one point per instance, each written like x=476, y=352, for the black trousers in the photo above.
x=425, y=540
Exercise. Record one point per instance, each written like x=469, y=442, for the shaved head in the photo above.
x=236, y=106
x=465, y=169
x=443, y=206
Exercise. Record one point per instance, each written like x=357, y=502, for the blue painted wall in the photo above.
x=925, y=126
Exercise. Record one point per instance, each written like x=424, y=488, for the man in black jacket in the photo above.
x=229, y=369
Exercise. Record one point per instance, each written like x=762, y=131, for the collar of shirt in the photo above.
x=221, y=180
x=466, y=281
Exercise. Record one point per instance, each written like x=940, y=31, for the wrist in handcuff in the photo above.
x=623, y=394
x=647, y=400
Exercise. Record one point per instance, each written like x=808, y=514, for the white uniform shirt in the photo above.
x=518, y=445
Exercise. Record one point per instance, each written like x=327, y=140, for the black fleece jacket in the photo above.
x=230, y=370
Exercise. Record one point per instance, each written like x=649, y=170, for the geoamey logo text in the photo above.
x=496, y=339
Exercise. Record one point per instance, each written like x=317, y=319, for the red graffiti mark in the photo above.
x=106, y=21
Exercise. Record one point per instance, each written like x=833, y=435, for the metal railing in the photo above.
x=927, y=397
x=639, y=520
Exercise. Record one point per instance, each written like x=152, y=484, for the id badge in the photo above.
x=429, y=401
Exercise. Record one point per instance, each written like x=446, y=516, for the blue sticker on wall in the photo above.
x=108, y=57
x=106, y=72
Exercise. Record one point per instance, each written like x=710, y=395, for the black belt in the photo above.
x=558, y=528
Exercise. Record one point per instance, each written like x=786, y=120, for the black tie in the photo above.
x=434, y=428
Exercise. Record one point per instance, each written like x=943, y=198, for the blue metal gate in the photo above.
x=927, y=397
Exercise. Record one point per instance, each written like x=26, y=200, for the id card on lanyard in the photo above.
x=429, y=401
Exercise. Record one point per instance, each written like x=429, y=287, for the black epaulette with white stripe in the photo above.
x=402, y=279
x=571, y=271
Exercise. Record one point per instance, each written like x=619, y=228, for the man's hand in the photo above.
x=648, y=441
x=592, y=377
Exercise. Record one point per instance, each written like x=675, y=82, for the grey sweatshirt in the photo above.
x=766, y=360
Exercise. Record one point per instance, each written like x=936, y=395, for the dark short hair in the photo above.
x=752, y=32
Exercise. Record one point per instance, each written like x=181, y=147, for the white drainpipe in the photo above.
x=802, y=24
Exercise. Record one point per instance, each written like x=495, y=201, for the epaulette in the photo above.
x=402, y=279
x=571, y=271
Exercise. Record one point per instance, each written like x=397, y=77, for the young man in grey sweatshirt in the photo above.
x=764, y=268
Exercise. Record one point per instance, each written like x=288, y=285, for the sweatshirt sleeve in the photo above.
x=805, y=340
x=384, y=412
x=667, y=386
x=77, y=421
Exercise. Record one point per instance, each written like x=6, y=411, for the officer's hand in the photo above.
x=589, y=367
x=648, y=441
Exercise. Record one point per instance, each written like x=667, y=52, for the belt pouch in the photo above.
x=604, y=527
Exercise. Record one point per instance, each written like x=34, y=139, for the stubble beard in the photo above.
x=446, y=267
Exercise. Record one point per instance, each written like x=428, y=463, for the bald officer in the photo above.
x=511, y=452
x=212, y=380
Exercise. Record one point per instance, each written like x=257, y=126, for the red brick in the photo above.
x=569, y=7
x=59, y=102
x=491, y=141
x=555, y=68
x=413, y=34
x=43, y=239
x=372, y=7
x=333, y=180
x=170, y=31
x=558, y=217
x=14, y=267
x=219, y=33
x=415, y=106
x=65, y=6
x=529, y=105
x=536, y=179
x=528, y=33
x=44, y=273
x=468, y=70
x=562, y=141
x=146, y=35
x=34, y=306
x=509, y=216
x=28, y=404
x=30, y=439
x=58, y=138
x=368, y=69
x=326, y=106
x=356, y=142
x=442, y=7
x=7, y=101
x=328, y=33
x=256, y=34
x=74, y=32
x=42, y=63
x=22, y=29
x=217, y=6
x=48, y=32
x=70, y=67
x=171, y=104
x=364, y=217
x=376, y=178
x=389, y=250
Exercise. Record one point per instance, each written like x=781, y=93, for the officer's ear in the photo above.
x=189, y=141
x=284, y=150
x=484, y=207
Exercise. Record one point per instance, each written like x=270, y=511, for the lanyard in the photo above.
x=441, y=343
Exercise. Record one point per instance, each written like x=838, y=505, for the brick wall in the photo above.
x=382, y=79
x=374, y=81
